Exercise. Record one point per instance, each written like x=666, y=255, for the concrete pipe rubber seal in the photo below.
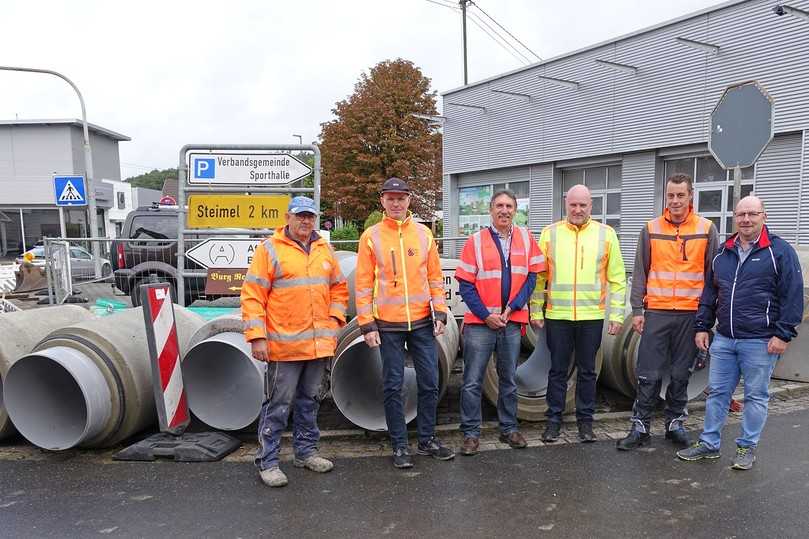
x=224, y=384
x=348, y=266
x=94, y=377
x=20, y=332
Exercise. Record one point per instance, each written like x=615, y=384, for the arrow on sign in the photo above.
x=224, y=252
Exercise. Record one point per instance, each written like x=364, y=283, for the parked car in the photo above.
x=82, y=263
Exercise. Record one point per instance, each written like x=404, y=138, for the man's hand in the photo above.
x=438, y=328
x=614, y=327
x=494, y=321
x=504, y=316
x=776, y=346
x=637, y=323
x=702, y=340
x=258, y=348
x=538, y=324
x=372, y=339
x=340, y=323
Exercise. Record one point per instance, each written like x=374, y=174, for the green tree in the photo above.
x=372, y=219
x=347, y=232
x=375, y=136
x=153, y=179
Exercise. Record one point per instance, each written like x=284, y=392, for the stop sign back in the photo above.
x=741, y=125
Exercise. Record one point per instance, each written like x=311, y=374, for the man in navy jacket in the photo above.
x=755, y=294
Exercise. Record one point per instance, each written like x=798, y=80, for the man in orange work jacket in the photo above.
x=400, y=300
x=671, y=264
x=294, y=301
x=496, y=274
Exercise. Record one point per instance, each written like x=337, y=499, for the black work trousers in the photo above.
x=666, y=350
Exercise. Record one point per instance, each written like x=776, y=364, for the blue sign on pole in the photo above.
x=70, y=190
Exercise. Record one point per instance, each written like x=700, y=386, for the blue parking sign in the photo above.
x=205, y=168
x=70, y=190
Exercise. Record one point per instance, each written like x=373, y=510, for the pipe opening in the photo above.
x=356, y=386
x=224, y=385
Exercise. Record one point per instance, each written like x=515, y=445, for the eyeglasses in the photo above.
x=744, y=214
x=305, y=216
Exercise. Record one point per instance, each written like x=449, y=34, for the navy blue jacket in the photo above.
x=757, y=299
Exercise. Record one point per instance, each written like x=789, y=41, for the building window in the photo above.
x=713, y=188
x=605, y=188
x=473, y=205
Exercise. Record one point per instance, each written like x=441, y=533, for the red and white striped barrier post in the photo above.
x=164, y=351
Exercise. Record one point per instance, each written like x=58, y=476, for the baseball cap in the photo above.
x=301, y=205
x=395, y=185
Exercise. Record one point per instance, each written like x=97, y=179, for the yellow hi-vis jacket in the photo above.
x=585, y=266
x=294, y=299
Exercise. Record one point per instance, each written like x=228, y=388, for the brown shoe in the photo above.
x=471, y=446
x=514, y=439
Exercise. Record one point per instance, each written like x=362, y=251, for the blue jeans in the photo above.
x=290, y=382
x=421, y=346
x=479, y=343
x=730, y=359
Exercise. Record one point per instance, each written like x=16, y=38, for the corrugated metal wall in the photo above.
x=540, y=210
x=778, y=173
x=638, y=204
x=803, y=216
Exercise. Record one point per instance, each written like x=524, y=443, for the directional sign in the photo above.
x=246, y=169
x=224, y=252
x=237, y=211
x=741, y=125
x=224, y=282
x=69, y=190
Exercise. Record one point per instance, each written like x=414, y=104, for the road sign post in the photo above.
x=741, y=128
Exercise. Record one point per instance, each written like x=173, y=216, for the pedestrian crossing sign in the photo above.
x=70, y=190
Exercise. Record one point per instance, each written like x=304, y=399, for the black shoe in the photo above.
x=551, y=433
x=633, y=440
x=678, y=437
x=586, y=434
x=401, y=458
x=434, y=448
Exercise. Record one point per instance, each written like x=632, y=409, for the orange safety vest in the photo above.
x=398, y=275
x=294, y=299
x=677, y=270
x=480, y=264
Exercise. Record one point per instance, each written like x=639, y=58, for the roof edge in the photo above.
x=72, y=122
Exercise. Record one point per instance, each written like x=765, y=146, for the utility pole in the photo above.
x=463, y=4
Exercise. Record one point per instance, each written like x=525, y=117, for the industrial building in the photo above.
x=622, y=115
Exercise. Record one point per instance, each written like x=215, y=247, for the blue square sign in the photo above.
x=204, y=168
x=70, y=190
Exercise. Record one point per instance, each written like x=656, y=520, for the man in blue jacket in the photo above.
x=755, y=292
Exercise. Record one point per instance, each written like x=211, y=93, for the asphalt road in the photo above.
x=562, y=491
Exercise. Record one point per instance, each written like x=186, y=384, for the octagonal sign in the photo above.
x=741, y=125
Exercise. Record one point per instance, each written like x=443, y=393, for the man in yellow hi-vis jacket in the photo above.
x=585, y=271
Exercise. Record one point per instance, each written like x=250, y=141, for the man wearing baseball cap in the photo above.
x=400, y=301
x=295, y=266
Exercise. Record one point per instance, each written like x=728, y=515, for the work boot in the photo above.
x=273, y=477
x=471, y=446
x=677, y=434
x=315, y=463
x=401, y=458
x=698, y=451
x=744, y=459
x=635, y=439
x=586, y=434
x=515, y=440
x=434, y=448
x=551, y=433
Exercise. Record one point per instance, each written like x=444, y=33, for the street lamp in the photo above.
x=300, y=139
x=88, y=160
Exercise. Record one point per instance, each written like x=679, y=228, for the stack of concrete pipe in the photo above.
x=20, y=332
x=793, y=364
x=88, y=384
x=356, y=376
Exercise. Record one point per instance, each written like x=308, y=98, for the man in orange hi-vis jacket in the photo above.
x=400, y=300
x=294, y=302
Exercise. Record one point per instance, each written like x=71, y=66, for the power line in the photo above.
x=506, y=31
x=450, y=6
x=473, y=16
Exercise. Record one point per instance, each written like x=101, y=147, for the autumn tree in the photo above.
x=375, y=136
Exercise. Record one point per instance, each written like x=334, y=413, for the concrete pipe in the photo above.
x=224, y=384
x=89, y=384
x=348, y=266
x=356, y=376
x=793, y=365
x=613, y=368
x=21, y=331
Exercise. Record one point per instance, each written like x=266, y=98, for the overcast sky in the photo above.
x=168, y=73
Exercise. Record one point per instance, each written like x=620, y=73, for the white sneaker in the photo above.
x=315, y=463
x=274, y=477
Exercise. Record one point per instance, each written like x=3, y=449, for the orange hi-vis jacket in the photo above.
x=399, y=285
x=481, y=265
x=294, y=299
x=677, y=269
